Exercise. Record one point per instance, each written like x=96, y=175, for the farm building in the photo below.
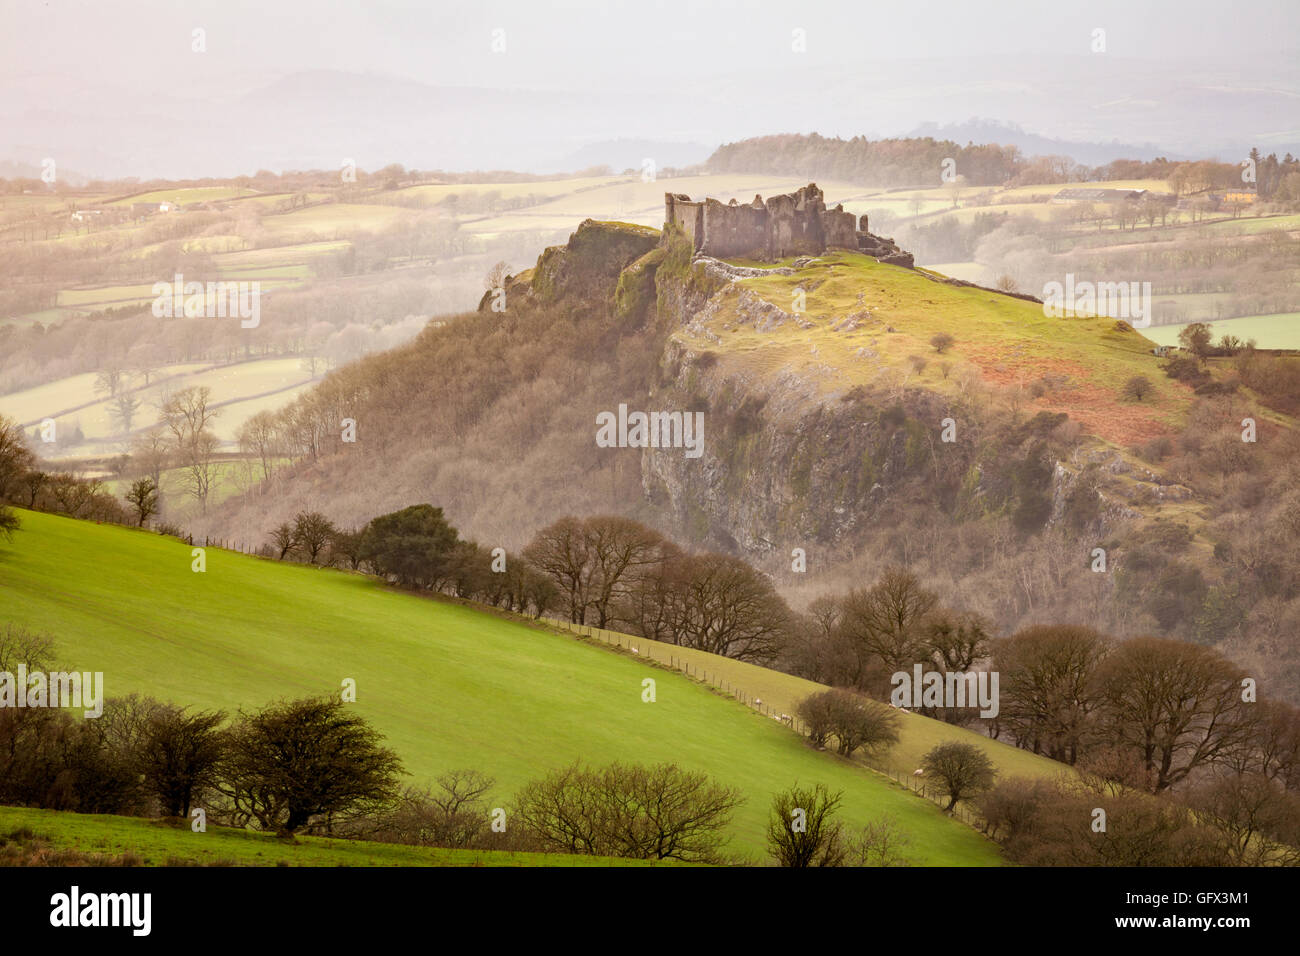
x=149, y=208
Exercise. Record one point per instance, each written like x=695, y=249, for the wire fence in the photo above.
x=227, y=544
x=669, y=655
x=664, y=654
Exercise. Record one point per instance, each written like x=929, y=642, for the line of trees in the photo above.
x=606, y=570
x=25, y=484
x=614, y=572
x=417, y=548
x=1226, y=819
x=887, y=162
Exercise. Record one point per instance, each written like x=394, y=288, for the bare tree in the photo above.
x=1137, y=387
x=619, y=547
x=562, y=551
x=151, y=454
x=143, y=497
x=959, y=770
x=1175, y=705
x=259, y=437
x=180, y=755
x=1258, y=822
x=284, y=539
x=727, y=607
x=187, y=415
x=881, y=842
x=496, y=276
x=800, y=830
x=855, y=721
x=110, y=380
x=312, y=532
x=123, y=409
x=885, y=622
x=648, y=813
x=1049, y=689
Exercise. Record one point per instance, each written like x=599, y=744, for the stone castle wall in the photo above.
x=797, y=223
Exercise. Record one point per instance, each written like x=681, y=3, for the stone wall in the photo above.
x=797, y=223
x=840, y=228
x=686, y=215
x=736, y=231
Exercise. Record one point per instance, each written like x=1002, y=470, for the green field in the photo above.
x=1279, y=331
x=449, y=686
x=326, y=221
x=157, y=843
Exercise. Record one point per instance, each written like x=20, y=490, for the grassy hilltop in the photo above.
x=864, y=318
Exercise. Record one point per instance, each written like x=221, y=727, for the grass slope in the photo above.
x=157, y=843
x=780, y=693
x=1009, y=341
x=449, y=686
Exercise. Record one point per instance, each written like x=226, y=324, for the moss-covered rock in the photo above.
x=634, y=296
x=588, y=267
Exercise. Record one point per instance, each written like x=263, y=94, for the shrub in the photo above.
x=800, y=831
x=960, y=771
x=646, y=813
x=855, y=721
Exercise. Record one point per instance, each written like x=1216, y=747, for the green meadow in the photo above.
x=450, y=686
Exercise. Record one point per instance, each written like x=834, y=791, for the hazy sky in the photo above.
x=114, y=87
x=147, y=42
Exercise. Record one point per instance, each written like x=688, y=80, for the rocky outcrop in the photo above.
x=584, y=269
x=883, y=249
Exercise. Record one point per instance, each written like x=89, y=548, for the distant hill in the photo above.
x=1033, y=144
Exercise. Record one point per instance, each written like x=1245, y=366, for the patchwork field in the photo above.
x=627, y=199
x=241, y=390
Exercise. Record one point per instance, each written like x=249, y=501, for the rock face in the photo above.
x=796, y=223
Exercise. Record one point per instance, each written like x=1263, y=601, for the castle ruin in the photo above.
x=794, y=224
